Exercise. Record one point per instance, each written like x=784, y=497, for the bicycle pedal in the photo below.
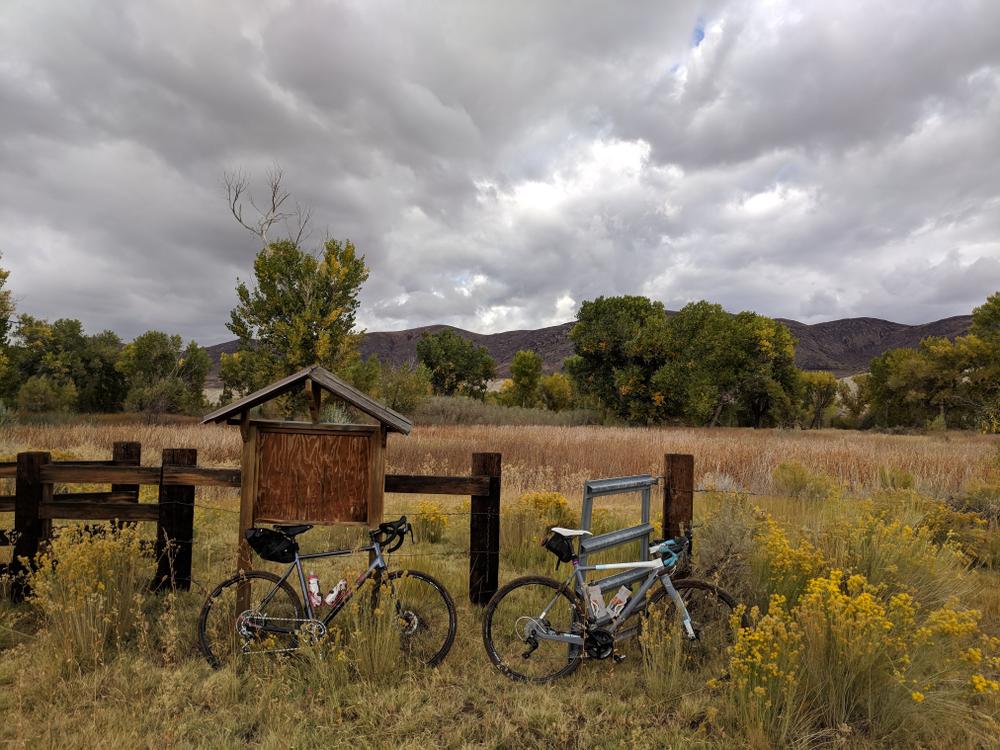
x=618, y=658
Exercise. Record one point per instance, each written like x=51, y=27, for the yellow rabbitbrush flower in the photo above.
x=89, y=586
x=430, y=522
x=981, y=684
x=843, y=655
x=782, y=567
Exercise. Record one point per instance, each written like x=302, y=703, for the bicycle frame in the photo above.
x=657, y=571
x=378, y=564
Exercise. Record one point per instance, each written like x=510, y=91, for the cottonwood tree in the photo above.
x=301, y=307
x=819, y=393
x=526, y=376
x=6, y=314
x=456, y=365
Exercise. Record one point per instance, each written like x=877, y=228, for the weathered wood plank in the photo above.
x=8, y=469
x=84, y=474
x=436, y=485
x=202, y=477
x=322, y=478
x=99, y=511
x=95, y=497
x=7, y=503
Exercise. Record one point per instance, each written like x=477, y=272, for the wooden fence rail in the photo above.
x=36, y=504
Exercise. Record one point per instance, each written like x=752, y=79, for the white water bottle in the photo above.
x=336, y=592
x=312, y=583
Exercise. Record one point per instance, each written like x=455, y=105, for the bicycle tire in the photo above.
x=413, y=608
x=212, y=635
x=496, y=644
x=710, y=608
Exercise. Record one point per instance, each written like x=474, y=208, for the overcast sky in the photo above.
x=500, y=162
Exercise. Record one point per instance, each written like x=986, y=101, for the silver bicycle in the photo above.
x=536, y=629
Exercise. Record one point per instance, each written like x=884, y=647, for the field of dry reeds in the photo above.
x=869, y=563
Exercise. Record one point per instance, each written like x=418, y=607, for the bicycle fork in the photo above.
x=679, y=603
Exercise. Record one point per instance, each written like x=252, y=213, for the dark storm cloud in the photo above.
x=499, y=163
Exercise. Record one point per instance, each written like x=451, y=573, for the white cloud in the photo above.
x=499, y=164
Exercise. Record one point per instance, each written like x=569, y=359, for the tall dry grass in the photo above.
x=561, y=458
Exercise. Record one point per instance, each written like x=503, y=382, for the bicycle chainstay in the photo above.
x=312, y=629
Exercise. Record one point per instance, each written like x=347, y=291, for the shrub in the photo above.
x=89, y=586
x=850, y=659
x=898, y=557
x=792, y=479
x=430, y=522
x=7, y=416
x=782, y=568
x=40, y=394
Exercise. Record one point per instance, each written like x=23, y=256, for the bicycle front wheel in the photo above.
x=425, y=613
x=711, y=610
x=517, y=607
x=252, y=612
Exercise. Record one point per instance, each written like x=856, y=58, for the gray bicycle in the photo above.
x=536, y=629
x=258, y=612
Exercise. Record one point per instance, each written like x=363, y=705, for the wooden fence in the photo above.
x=35, y=505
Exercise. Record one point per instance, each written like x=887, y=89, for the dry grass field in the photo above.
x=870, y=562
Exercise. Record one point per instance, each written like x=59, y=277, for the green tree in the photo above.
x=717, y=363
x=819, y=394
x=617, y=344
x=456, y=366
x=150, y=357
x=403, y=388
x=986, y=319
x=556, y=391
x=301, y=311
x=6, y=314
x=104, y=386
x=161, y=377
x=526, y=376
x=40, y=394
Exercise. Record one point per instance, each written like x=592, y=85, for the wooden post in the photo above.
x=175, y=527
x=678, y=494
x=248, y=487
x=484, y=531
x=127, y=454
x=30, y=529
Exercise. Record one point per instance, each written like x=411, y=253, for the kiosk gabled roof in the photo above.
x=326, y=380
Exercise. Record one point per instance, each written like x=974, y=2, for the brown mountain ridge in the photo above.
x=844, y=347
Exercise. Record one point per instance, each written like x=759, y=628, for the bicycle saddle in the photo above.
x=570, y=532
x=292, y=529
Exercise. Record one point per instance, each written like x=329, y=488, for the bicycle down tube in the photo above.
x=654, y=566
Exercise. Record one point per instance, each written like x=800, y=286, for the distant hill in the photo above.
x=844, y=347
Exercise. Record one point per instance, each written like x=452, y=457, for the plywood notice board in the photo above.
x=324, y=474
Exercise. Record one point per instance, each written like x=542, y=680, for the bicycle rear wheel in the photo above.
x=511, y=610
x=228, y=627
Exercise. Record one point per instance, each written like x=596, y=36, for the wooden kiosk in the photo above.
x=311, y=472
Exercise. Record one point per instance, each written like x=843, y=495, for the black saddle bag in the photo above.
x=559, y=545
x=272, y=545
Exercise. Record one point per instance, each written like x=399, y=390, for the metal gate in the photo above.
x=593, y=488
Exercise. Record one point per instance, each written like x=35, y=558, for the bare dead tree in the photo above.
x=238, y=190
